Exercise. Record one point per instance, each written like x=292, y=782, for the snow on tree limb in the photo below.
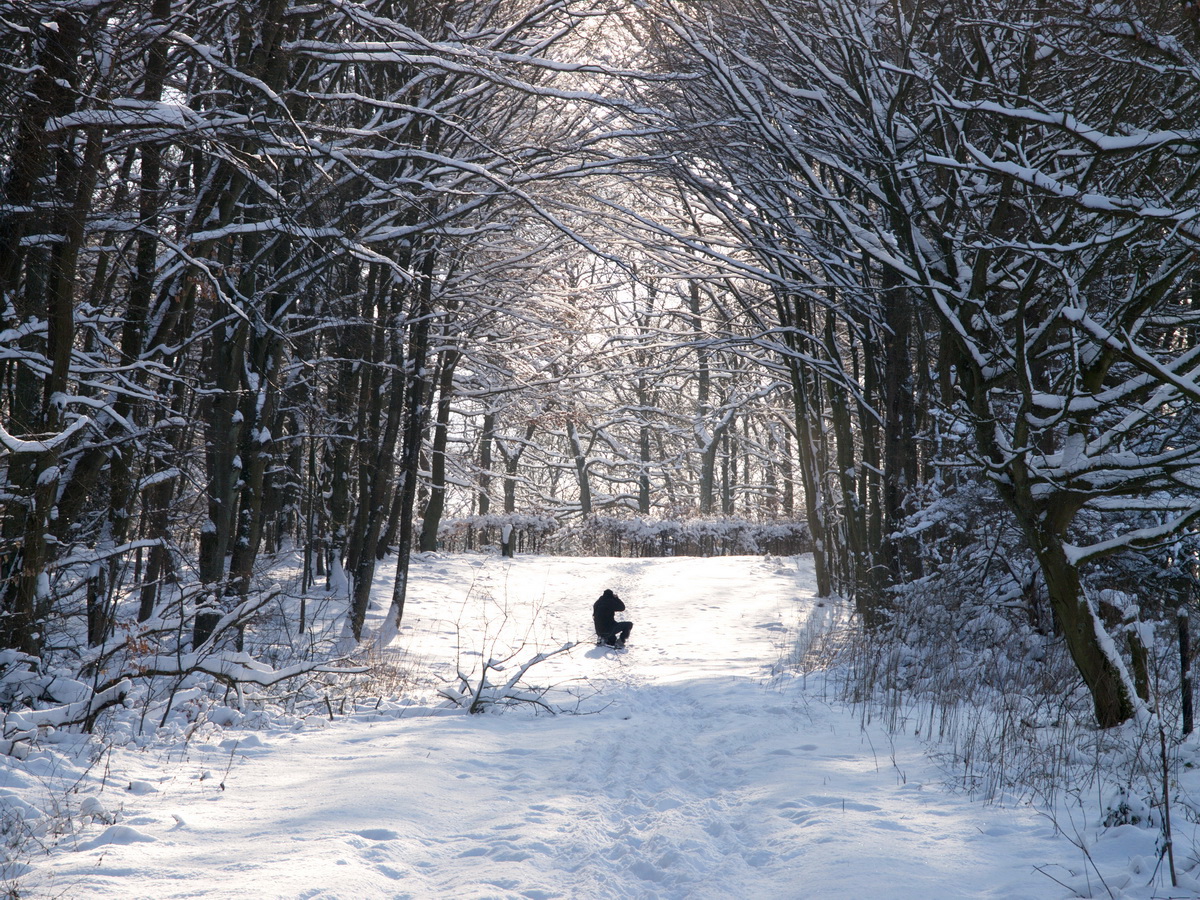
x=235, y=668
x=22, y=445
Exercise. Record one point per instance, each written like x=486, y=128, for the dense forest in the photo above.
x=906, y=285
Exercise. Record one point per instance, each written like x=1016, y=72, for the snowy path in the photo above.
x=692, y=779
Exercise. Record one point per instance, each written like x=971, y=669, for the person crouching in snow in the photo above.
x=610, y=631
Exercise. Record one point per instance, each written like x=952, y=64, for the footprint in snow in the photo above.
x=889, y=825
x=377, y=834
x=835, y=803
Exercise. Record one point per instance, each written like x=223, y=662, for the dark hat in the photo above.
x=607, y=592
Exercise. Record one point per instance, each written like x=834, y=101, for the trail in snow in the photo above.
x=688, y=774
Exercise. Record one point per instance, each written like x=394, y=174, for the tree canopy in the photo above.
x=363, y=278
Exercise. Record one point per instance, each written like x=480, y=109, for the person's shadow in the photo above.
x=600, y=651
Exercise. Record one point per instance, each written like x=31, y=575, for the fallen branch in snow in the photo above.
x=475, y=690
x=476, y=693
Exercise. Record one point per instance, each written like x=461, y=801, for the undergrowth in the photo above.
x=1004, y=712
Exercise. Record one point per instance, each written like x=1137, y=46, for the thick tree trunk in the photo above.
x=1082, y=631
x=900, y=461
x=39, y=285
x=644, y=460
x=644, y=451
x=706, y=486
x=512, y=465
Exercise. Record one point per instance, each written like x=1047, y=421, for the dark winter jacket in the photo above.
x=604, y=612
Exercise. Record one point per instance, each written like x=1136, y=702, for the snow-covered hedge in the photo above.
x=607, y=536
x=529, y=533
x=630, y=537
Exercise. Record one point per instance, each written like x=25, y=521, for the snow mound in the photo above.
x=118, y=835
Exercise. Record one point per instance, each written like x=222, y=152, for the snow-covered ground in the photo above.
x=692, y=765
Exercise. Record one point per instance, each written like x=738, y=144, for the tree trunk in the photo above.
x=512, y=464
x=1081, y=631
x=644, y=452
x=374, y=505
x=223, y=437
x=417, y=395
x=581, y=470
x=644, y=459
x=48, y=278
x=258, y=411
x=1182, y=627
x=808, y=462
x=437, y=463
x=900, y=461
x=483, y=498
